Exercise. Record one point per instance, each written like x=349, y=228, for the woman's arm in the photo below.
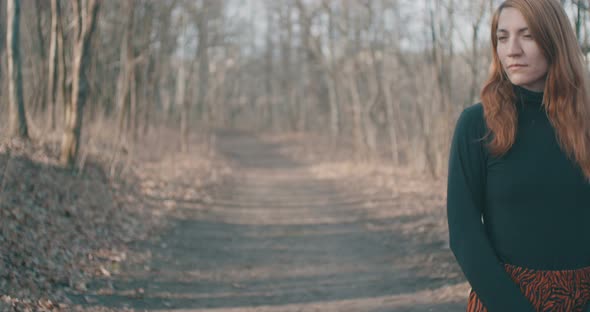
x=468, y=238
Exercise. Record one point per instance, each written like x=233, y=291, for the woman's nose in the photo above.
x=514, y=47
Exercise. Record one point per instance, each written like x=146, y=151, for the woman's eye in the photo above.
x=501, y=38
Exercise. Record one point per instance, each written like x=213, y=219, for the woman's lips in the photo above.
x=516, y=66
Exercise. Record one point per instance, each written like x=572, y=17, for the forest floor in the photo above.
x=266, y=228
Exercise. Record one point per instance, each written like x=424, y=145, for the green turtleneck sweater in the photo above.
x=529, y=207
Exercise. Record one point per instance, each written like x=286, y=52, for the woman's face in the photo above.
x=519, y=53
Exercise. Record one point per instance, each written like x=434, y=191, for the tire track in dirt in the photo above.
x=276, y=238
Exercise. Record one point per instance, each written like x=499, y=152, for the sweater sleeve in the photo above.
x=468, y=238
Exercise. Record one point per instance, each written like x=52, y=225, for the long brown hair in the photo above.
x=566, y=88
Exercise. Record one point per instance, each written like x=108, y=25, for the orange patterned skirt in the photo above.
x=555, y=291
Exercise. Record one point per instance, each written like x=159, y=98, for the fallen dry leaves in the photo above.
x=59, y=228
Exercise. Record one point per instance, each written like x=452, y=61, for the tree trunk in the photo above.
x=84, y=24
x=391, y=79
x=2, y=45
x=180, y=103
x=578, y=19
x=133, y=110
x=334, y=113
x=53, y=63
x=149, y=95
x=143, y=73
x=474, y=64
x=18, y=122
x=442, y=57
x=126, y=63
x=332, y=78
x=374, y=96
x=391, y=121
x=357, y=111
x=203, y=56
x=40, y=100
x=309, y=66
x=64, y=88
x=271, y=109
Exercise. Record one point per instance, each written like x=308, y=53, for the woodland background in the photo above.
x=100, y=98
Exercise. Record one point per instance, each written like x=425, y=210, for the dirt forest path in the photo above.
x=277, y=238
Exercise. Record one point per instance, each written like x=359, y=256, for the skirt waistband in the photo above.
x=581, y=269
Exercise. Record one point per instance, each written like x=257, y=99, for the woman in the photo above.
x=518, y=198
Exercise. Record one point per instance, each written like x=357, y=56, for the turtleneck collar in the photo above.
x=528, y=97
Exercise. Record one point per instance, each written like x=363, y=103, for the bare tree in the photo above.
x=332, y=77
x=18, y=122
x=85, y=15
x=202, y=20
x=580, y=16
x=126, y=68
x=180, y=99
x=2, y=41
x=271, y=107
x=441, y=31
x=477, y=10
x=52, y=72
x=353, y=65
x=146, y=72
x=39, y=59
